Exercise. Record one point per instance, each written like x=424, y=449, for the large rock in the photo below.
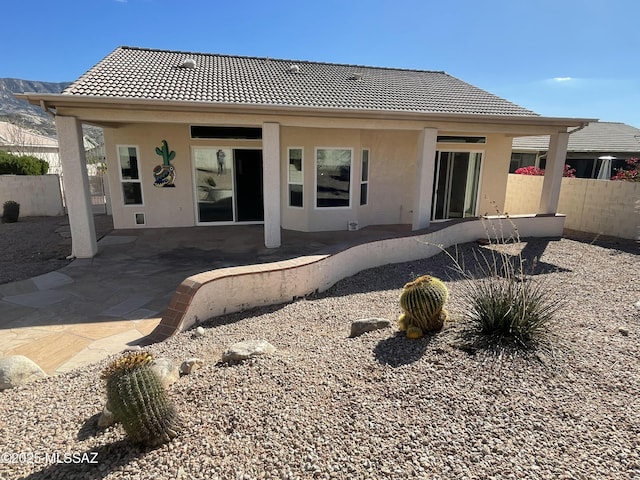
x=167, y=370
x=247, y=349
x=368, y=325
x=18, y=370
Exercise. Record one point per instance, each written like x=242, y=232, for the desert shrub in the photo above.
x=10, y=211
x=501, y=298
x=22, y=165
x=507, y=304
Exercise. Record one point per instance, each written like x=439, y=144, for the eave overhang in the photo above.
x=56, y=102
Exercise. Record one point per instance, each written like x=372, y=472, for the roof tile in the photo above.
x=138, y=73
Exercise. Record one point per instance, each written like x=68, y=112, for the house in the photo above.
x=595, y=151
x=18, y=140
x=206, y=139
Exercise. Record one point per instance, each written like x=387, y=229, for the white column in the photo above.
x=556, y=158
x=76, y=187
x=271, y=183
x=424, y=175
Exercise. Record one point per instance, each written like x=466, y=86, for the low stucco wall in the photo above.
x=597, y=206
x=38, y=196
x=234, y=289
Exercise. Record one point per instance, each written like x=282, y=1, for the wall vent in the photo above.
x=293, y=68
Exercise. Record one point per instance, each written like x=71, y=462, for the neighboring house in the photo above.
x=17, y=140
x=203, y=139
x=595, y=151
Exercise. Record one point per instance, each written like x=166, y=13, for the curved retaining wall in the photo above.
x=226, y=290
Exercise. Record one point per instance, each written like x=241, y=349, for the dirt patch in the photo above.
x=37, y=245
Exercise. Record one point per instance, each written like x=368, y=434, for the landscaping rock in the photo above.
x=368, y=325
x=623, y=331
x=167, y=370
x=190, y=365
x=247, y=349
x=106, y=418
x=18, y=370
x=199, y=332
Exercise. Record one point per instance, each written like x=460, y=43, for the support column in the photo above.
x=424, y=175
x=76, y=187
x=556, y=158
x=271, y=184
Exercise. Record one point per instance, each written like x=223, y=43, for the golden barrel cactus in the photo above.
x=137, y=398
x=422, y=302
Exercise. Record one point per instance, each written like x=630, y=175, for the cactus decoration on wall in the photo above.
x=422, y=302
x=164, y=174
x=138, y=400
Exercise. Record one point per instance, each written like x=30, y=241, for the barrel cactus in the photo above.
x=139, y=401
x=422, y=302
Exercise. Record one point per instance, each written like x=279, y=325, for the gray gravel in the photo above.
x=377, y=406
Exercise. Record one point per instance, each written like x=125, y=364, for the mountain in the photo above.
x=29, y=116
x=20, y=111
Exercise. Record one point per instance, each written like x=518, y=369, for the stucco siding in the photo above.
x=393, y=155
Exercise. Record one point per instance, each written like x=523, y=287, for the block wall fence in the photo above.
x=596, y=206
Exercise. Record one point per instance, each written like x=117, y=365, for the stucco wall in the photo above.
x=38, y=196
x=596, y=206
x=233, y=289
x=392, y=170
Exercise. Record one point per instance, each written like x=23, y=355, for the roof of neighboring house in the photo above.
x=137, y=73
x=598, y=137
x=12, y=135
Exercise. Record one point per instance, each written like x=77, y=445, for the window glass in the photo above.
x=333, y=177
x=296, y=178
x=130, y=175
x=364, y=184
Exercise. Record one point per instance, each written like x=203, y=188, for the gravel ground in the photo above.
x=34, y=246
x=378, y=406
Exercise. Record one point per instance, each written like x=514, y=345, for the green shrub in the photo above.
x=509, y=304
x=10, y=211
x=22, y=165
x=501, y=300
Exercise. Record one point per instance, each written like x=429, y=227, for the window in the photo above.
x=242, y=133
x=364, y=180
x=130, y=175
x=519, y=160
x=459, y=139
x=333, y=177
x=296, y=178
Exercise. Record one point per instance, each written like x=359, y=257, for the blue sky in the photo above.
x=566, y=58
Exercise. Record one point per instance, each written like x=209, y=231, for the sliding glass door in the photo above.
x=228, y=185
x=455, y=185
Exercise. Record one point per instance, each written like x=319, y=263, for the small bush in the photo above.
x=532, y=170
x=631, y=173
x=10, y=212
x=502, y=300
x=22, y=165
x=513, y=306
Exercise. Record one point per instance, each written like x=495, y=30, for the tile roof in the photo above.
x=158, y=75
x=596, y=137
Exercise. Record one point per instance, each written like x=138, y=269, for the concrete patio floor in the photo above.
x=95, y=307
